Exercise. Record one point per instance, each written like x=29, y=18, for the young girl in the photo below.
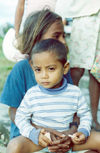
x=41, y=25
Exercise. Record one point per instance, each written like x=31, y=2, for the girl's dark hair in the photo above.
x=35, y=26
x=51, y=45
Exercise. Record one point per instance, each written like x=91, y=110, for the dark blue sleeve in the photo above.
x=20, y=79
x=68, y=77
x=13, y=90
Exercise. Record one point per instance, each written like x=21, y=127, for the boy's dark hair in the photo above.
x=35, y=26
x=51, y=45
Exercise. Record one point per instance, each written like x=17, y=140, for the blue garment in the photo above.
x=20, y=79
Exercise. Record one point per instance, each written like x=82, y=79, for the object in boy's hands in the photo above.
x=71, y=136
x=48, y=135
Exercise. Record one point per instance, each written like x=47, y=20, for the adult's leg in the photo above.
x=21, y=144
x=92, y=143
x=76, y=74
x=94, y=89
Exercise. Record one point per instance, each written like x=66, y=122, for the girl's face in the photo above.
x=56, y=31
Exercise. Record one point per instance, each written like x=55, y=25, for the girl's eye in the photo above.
x=64, y=35
x=56, y=36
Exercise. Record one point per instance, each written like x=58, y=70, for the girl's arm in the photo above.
x=12, y=113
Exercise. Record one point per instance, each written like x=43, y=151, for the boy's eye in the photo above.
x=51, y=68
x=37, y=69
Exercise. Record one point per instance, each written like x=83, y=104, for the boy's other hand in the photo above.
x=78, y=138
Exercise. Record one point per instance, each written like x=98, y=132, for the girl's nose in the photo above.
x=62, y=39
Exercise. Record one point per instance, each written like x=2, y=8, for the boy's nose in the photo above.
x=44, y=74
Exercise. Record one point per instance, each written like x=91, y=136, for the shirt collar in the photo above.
x=55, y=90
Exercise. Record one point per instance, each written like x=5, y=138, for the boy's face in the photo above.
x=48, y=70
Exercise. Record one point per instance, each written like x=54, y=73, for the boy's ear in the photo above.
x=66, y=68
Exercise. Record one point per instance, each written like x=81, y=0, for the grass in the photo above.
x=5, y=67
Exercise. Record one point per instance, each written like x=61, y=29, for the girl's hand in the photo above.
x=78, y=138
x=44, y=140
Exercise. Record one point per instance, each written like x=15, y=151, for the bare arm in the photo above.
x=12, y=113
x=19, y=15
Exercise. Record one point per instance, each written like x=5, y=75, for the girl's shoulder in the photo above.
x=22, y=66
x=21, y=71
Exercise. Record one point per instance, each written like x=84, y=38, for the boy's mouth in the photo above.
x=45, y=83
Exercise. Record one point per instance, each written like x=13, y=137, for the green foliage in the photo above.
x=5, y=67
x=7, y=27
x=4, y=135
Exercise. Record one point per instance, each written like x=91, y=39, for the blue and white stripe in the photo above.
x=52, y=110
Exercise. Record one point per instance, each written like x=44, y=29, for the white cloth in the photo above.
x=84, y=41
x=77, y=8
x=9, y=50
x=39, y=5
x=84, y=31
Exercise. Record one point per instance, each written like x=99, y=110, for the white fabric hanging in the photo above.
x=9, y=50
x=77, y=8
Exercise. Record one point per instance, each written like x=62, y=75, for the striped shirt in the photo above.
x=53, y=108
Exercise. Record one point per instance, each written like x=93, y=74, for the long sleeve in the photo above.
x=22, y=120
x=85, y=116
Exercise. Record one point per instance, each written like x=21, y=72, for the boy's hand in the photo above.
x=44, y=140
x=60, y=145
x=78, y=138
